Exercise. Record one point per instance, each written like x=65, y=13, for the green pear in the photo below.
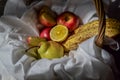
x=32, y=52
x=34, y=41
x=50, y=50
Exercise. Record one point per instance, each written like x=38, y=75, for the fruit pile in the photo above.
x=56, y=29
x=62, y=33
x=57, y=26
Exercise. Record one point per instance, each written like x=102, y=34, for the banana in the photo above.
x=89, y=30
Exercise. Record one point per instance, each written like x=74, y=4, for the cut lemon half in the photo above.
x=59, y=33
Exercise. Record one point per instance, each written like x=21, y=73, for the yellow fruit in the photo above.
x=59, y=33
x=89, y=30
x=51, y=50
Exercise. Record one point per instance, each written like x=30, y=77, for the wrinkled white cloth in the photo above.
x=84, y=8
x=88, y=62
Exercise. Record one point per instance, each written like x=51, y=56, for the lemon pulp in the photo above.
x=59, y=33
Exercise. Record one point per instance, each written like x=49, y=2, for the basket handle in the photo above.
x=102, y=22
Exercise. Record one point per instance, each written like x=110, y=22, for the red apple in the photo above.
x=45, y=33
x=69, y=19
x=28, y=39
x=47, y=17
x=47, y=20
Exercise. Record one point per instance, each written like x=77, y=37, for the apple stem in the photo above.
x=66, y=18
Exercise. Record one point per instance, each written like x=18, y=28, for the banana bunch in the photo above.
x=89, y=30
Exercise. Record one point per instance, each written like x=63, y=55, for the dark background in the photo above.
x=2, y=4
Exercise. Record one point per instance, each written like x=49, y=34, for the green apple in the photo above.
x=50, y=50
